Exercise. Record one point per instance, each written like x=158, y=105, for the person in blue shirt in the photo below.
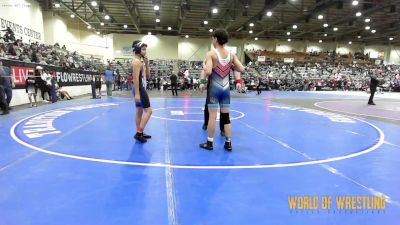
x=109, y=79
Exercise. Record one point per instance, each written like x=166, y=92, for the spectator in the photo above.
x=174, y=84
x=98, y=85
x=43, y=80
x=3, y=103
x=109, y=79
x=31, y=88
x=8, y=83
x=64, y=93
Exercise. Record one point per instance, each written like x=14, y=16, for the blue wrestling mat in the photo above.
x=77, y=163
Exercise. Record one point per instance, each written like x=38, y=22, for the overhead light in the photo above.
x=94, y=3
x=186, y=36
x=125, y=26
x=367, y=27
x=288, y=33
x=295, y=26
x=205, y=22
x=156, y=7
x=320, y=41
x=89, y=27
x=97, y=32
x=289, y=40
x=211, y=30
x=250, y=31
x=157, y=20
x=169, y=28
x=256, y=38
x=350, y=42
x=354, y=3
x=326, y=25
x=149, y=33
x=320, y=17
x=358, y=14
x=390, y=39
x=72, y=16
x=335, y=29
x=101, y=24
x=269, y=13
x=325, y=35
x=373, y=31
x=251, y=24
x=107, y=17
x=215, y=10
x=57, y=5
x=359, y=37
x=367, y=20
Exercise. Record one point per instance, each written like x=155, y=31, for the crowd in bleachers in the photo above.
x=34, y=52
x=325, y=76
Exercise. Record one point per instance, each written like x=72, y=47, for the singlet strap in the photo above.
x=223, y=61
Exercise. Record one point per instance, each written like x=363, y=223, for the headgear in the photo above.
x=137, y=46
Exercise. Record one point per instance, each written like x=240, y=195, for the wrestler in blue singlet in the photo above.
x=219, y=89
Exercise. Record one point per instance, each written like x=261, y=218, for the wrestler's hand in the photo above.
x=202, y=87
x=137, y=101
x=238, y=86
x=146, y=61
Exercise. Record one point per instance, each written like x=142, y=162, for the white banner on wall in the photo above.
x=232, y=49
x=261, y=58
x=24, y=17
x=288, y=60
x=127, y=51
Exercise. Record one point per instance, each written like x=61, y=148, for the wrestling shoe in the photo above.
x=208, y=145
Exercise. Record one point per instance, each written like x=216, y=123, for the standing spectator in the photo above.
x=53, y=87
x=41, y=80
x=93, y=87
x=3, y=103
x=372, y=86
x=118, y=80
x=116, y=74
x=195, y=83
x=129, y=82
x=158, y=82
x=31, y=88
x=162, y=84
x=109, y=79
x=174, y=84
x=259, y=83
x=97, y=82
x=8, y=83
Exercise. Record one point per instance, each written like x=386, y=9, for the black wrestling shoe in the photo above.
x=222, y=133
x=146, y=136
x=140, y=138
x=371, y=103
x=208, y=145
x=228, y=146
x=204, y=127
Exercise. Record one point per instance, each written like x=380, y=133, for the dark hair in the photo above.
x=137, y=46
x=221, y=35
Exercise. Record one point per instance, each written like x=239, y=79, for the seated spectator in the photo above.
x=64, y=93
